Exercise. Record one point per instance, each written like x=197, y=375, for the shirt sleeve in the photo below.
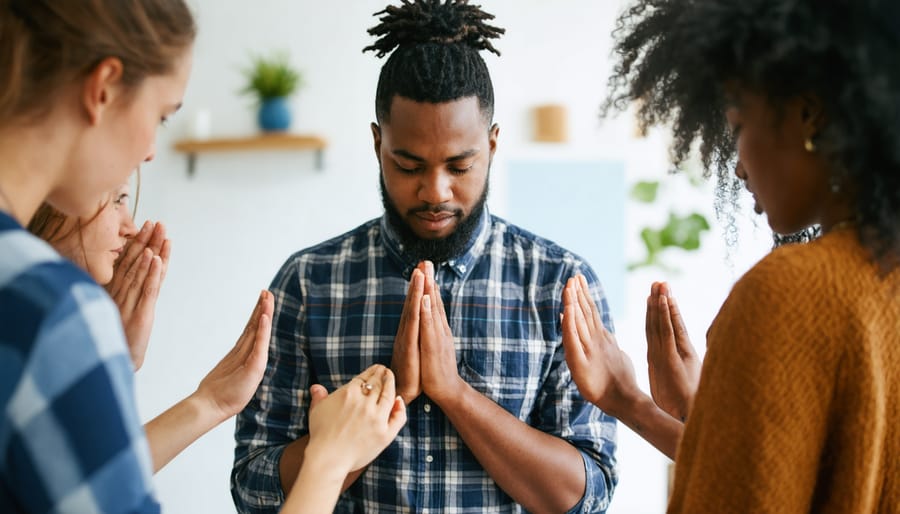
x=74, y=441
x=277, y=414
x=564, y=413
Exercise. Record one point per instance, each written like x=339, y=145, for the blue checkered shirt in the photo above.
x=70, y=437
x=337, y=311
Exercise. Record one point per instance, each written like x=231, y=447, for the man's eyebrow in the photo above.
x=413, y=157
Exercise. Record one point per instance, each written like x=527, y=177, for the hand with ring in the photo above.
x=347, y=430
x=355, y=423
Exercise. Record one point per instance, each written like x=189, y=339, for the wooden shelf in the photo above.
x=278, y=141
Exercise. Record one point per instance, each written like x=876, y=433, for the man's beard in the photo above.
x=434, y=250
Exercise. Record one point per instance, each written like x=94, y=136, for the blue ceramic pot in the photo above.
x=275, y=115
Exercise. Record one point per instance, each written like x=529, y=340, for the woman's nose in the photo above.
x=128, y=229
x=740, y=171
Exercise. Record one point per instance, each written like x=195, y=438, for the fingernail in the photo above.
x=426, y=302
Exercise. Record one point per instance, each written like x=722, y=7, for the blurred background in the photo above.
x=596, y=186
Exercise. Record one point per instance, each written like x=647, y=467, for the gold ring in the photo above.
x=365, y=387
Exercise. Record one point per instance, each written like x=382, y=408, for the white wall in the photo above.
x=236, y=221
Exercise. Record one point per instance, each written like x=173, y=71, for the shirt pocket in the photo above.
x=508, y=372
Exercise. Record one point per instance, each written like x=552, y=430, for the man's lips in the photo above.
x=434, y=216
x=435, y=221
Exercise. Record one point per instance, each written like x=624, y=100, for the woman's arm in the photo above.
x=605, y=375
x=221, y=394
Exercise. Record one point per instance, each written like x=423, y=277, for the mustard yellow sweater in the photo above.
x=798, y=408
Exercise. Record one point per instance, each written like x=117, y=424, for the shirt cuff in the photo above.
x=597, y=492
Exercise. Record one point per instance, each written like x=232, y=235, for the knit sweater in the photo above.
x=798, y=408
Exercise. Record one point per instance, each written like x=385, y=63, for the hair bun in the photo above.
x=433, y=21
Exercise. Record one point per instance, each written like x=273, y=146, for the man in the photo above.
x=462, y=305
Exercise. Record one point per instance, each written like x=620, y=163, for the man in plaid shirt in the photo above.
x=462, y=305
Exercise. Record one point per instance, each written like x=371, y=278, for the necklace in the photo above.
x=9, y=205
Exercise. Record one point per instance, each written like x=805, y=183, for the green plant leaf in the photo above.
x=645, y=191
x=271, y=77
x=684, y=232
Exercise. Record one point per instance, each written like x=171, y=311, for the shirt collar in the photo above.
x=460, y=265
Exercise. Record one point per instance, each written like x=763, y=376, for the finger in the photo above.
x=246, y=342
x=417, y=288
x=648, y=323
x=426, y=321
x=411, y=303
x=653, y=339
x=164, y=253
x=258, y=358
x=133, y=250
x=143, y=236
x=587, y=303
x=397, y=418
x=157, y=238
x=581, y=326
x=388, y=390
x=134, y=281
x=571, y=341
x=250, y=326
x=595, y=309
x=681, y=334
x=584, y=306
x=368, y=374
x=317, y=393
x=150, y=291
x=666, y=332
x=439, y=314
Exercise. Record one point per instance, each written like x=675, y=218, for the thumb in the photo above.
x=317, y=393
x=397, y=418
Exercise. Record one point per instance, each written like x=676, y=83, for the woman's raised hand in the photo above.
x=674, y=366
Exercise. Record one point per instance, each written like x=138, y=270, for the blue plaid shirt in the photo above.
x=337, y=311
x=70, y=437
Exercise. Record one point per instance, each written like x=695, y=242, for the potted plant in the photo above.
x=272, y=80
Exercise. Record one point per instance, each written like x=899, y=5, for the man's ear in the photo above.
x=492, y=138
x=101, y=87
x=376, y=139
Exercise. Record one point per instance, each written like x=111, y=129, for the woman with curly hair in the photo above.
x=795, y=406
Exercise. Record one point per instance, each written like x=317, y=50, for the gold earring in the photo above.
x=809, y=146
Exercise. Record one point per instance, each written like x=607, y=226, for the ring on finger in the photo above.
x=365, y=387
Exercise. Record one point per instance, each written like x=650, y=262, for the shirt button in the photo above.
x=427, y=407
x=462, y=268
x=429, y=458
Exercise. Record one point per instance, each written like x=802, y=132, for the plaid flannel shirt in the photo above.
x=337, y=311
x=70, y=437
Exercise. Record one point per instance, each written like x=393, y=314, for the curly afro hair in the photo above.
x=674, y=57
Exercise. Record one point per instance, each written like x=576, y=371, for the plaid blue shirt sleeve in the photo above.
x=274, y=417
x=566, y=414
x=70, y=436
